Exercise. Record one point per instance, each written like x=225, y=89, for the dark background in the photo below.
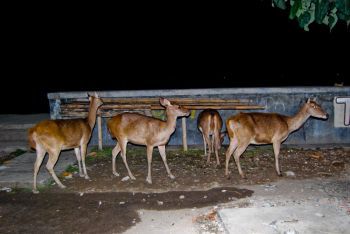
x=80, y=48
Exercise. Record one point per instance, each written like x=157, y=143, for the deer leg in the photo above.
x=77, y=154
x=229, y=151
x=149, y=161
x=53, y=157
x=123, y=149
x=161, y=149
x=83, y=154
x=115, y=153
x=40, y=154
x=239, y=151
x=276, y=149
x=207, y=139
x=205, y=145
x=216, y=147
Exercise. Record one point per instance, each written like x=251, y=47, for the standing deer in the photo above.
x=210, y=123
x=52, y=136
x=266, y=128
x=143, y=130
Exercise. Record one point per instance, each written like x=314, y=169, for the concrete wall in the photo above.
x=286, y=101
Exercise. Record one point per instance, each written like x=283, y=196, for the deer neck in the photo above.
x=92, y=115
x=171, y=122
x=296, y=121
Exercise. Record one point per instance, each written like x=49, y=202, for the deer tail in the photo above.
x=31, y=138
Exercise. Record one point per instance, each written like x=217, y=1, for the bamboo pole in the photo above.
x=156, y=100
x=99, y=129
x=184, y=134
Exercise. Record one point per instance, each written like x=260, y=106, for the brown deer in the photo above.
x=143, y=130
x=266, y=128
x=52, y=136
x=210, y=123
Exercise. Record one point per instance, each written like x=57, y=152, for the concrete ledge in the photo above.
x=286, y=219
x=192, y=92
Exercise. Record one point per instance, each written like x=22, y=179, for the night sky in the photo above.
x=133, y=48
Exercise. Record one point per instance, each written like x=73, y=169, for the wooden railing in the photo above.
x=78, y=108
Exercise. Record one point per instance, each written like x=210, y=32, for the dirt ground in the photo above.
x=108, y=204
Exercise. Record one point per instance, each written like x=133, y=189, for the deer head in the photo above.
x=174, y=109
x=95, y=99
x=315, y=110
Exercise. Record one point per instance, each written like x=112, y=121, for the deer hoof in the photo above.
x=62, y=186
x=149, y=180
x=132, y=177
x=172, y=176
x=87, y=177
x=81, y=175
x=35, y=191
x=116, y=174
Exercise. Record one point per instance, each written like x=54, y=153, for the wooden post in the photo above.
x=99, y=129
x=184, y=134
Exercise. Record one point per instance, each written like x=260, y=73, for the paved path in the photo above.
x=18, y=172
x=317, y=205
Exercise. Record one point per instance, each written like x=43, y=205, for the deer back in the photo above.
x=137, y=128
x=210, y=121
x=259, y=128
x=64, y=133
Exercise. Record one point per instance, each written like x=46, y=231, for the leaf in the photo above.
x=304, y=20
x=305, y=4
x=321, y=10
x=295, y=7
x=332, y=20
x=280, y=4
x=343, y=16
x=343, y=10
x=343, y=6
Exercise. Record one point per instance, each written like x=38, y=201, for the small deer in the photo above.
x=210, y=123
x=266, y=128
x=143, y=130
x=52, y=136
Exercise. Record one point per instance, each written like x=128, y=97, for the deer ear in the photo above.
x=95, y=94
x=89, y=96
x=308, y=100
x=164, y=102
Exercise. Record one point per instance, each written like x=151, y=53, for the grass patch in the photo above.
x=18, y=152
x=194, y=152
x=20, y=190
x=11, y=155
x=72, y=168
x=96, y=155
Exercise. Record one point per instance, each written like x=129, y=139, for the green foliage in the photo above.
x=96, y=155
x=326, y=12
x=11, y=155
x=72, y=168
x=280, y=4
x=159, y=114
x=18, y=152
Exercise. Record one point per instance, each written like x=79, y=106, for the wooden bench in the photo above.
x=78, y=108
